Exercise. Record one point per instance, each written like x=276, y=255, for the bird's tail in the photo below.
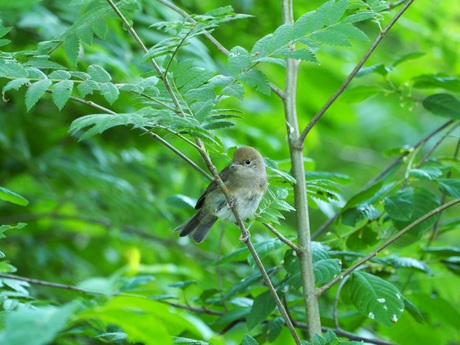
x=197, y=227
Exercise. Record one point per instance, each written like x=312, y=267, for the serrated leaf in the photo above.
x=72, y=48
x=15, y=84
x=61, y=93
x=302, y=54
x=98, y=74
x=59, y=75
x=99, y=123
x=359, y=17
x=256, y=79
x=100, y=27
x=36, y=91
x=307, y=23
x=85, y=34
x=12, y=69
x=262, y=307
x=110, y=92
x=375, y=298
x=332, y=11
x=235, y=90
x=238, y=60
x=443, y=104
x=14, y=198
x=218, y=124
x=87, y=87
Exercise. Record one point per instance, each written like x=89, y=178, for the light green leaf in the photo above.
x=59, y=75
x=360, y=93
x=43, y=324
x=98, y=74
x=15, y=84
x=99, y=123
x=256, y=79
x=36, y=91
x=100, y=27
x=359, y=17
x=61, y=93
x=443, y=104
x=14, y=198
x=87, y=87
x=376, y=298
x=238, y=60
x=262, y=307
x=72, y=48
x=110, y=92
x=235, y=90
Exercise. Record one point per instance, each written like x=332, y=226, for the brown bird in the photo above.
x=246, y=182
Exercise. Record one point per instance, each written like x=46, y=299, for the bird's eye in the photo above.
x=247, y=161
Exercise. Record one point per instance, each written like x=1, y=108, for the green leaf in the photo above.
x=400, y=206
x=256, y=79
x=360, y=93
x=262, y=307
x=61, y=93
x=443, y=104
x=376, y=298
x=419, y=265
x=235, y=90
x=378, y=69
x=100, y=27
x=332, y=11
x=110, y=92
x=248, y=340
x=434, y=81
x=43, y=324
x=353, y=216
x=326, y=270
x=442, y=252
x=98, y=74
x=36, y=91
x=362, y=238
x=14, y=198
x=72, y=48
x=450, y=187
x=273, y=328
x=413, y=311
x=423, y=201
x=238, y=60
x=99, y=123
x=87, y=87
x=59, y=75
x=15, y=84
x=408, y=57
x=428, y=173
x=359, y=17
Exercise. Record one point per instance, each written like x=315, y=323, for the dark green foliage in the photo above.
x=90, y=194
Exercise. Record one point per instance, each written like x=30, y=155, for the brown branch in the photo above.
x=388, y=242
x=353, y=73
x=281, y=237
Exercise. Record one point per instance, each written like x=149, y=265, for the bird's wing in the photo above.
x=212, y=186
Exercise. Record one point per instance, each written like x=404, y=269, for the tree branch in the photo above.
x=384, y=172
x=281, y=237
x=388, y=242
x=353, y=73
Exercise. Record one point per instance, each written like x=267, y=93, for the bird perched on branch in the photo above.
x=246, y=182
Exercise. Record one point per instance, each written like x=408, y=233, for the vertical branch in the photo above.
x=300, y=188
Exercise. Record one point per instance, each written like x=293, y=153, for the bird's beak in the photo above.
x=234, y=165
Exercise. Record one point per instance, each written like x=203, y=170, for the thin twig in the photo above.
x=388, y=242
x=353, y=73
x=384, y=172
x=218, y=45
x=281, y=237
x=98, y=293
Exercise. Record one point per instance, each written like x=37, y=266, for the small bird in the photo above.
x=246, y=182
